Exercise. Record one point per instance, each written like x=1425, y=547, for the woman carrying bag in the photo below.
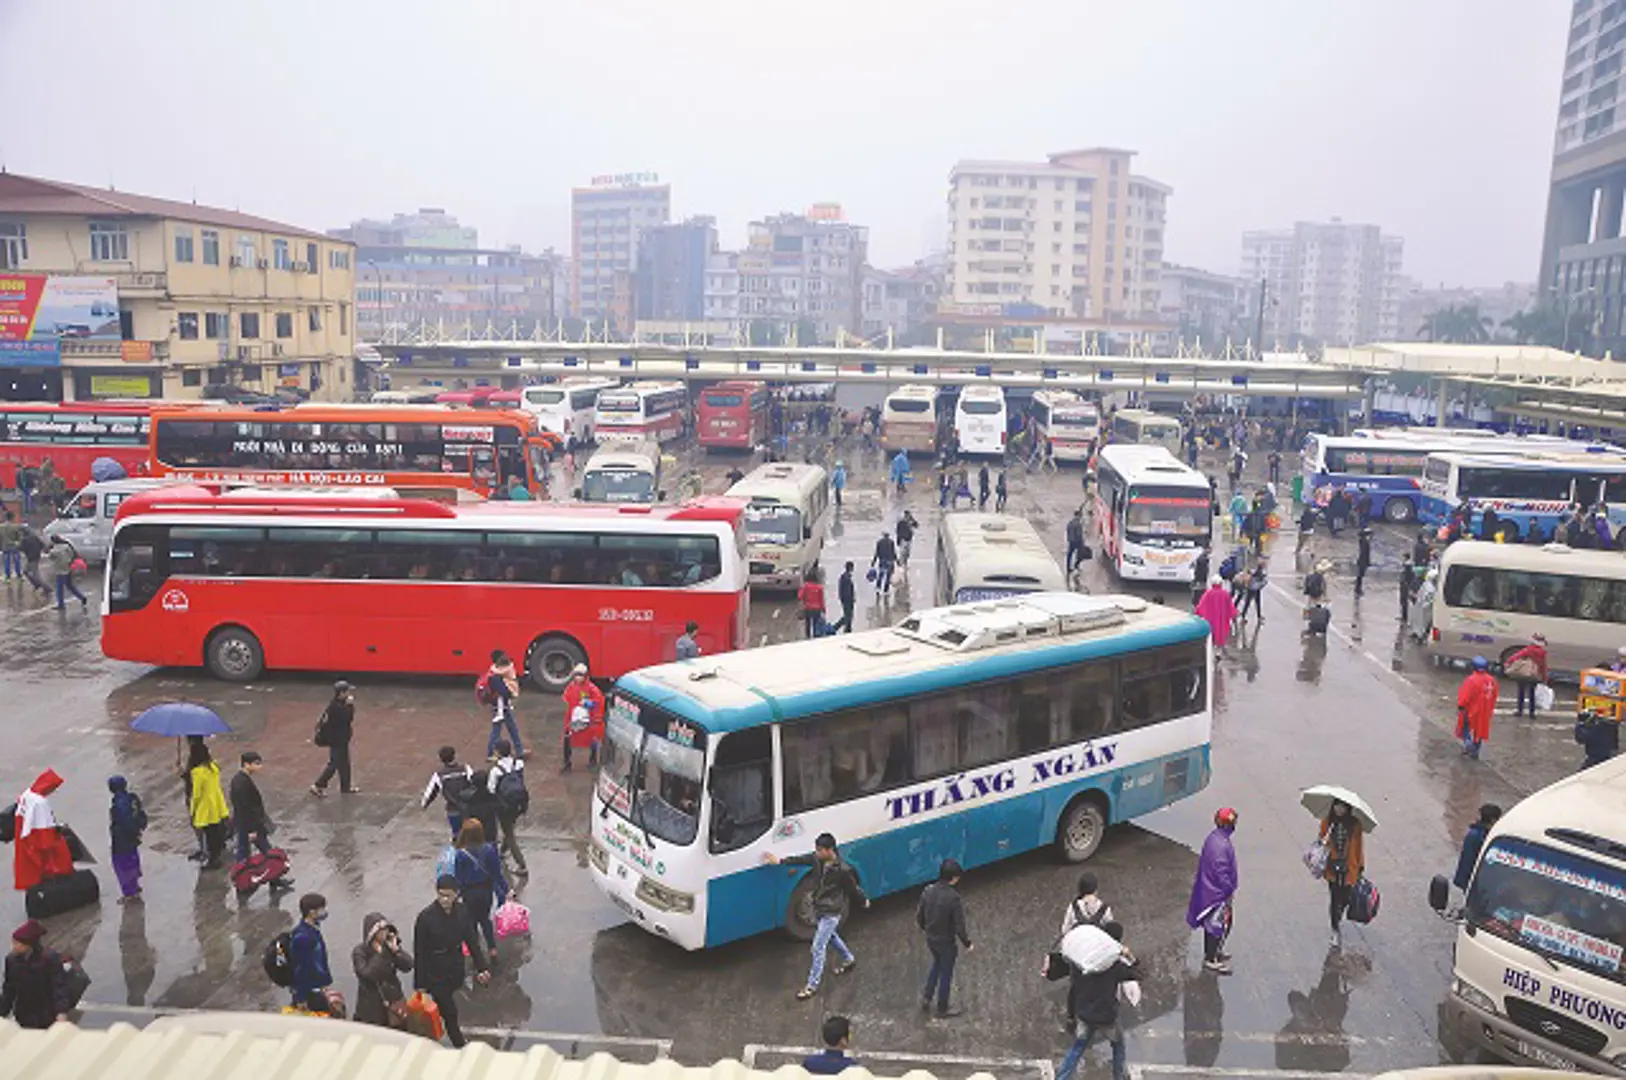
x=379, y=961
x=1528, y=668
x=1343, y=837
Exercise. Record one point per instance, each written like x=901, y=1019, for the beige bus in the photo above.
x=909, y=420
x=988, y=556
x=785, y=521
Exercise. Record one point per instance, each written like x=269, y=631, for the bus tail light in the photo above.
x=1003, y=435
x=1434, y=634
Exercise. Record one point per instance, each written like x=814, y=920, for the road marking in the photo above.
x=1042, y=1066
x=1139, y=1072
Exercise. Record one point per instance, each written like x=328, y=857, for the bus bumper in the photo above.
x=619, y=881
x=1472, y=1025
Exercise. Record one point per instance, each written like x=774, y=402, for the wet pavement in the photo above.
x=1361, y=708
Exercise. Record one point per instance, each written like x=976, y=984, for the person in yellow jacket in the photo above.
x=208, y=802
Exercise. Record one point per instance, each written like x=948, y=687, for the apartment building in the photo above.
x=1079, y=235
x=607, y=220
x=901, y=302
x=187, y=297
x=670, y=282
x=801, y=275
x=1332, y=283
x=1205, y=307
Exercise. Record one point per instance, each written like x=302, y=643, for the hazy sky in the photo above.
x=1432, y=118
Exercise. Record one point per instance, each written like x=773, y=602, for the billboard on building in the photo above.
x=38, y=310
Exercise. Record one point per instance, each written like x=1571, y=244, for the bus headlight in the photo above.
x=598, y=857
x=659, y=896
x=1133, y=560
x=1475, y=997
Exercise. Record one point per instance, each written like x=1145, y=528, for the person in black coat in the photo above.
x=34, y=992
x=338, y=724
x=379, y=961
x=443, y=930
x=482, y=804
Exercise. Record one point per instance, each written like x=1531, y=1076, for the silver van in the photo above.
x=87, y=521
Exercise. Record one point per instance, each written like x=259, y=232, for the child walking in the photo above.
x=127, y=821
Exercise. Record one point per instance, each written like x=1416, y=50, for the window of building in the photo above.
x=186, y=325
x=109, y=242
x=211, y=247
x=285, y=324
x=1114, y=169
x=13, y=245
x=248, y=325
x=338, y=259
x=1055, y=269
x=247, y=253
x=344, y=317
x=313, y=317
x=279, y=255
x=1055, y=226
x=215, y=325
x=183, y=244
x=191, y=377
x=310, y=256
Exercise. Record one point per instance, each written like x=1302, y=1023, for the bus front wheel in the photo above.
x=551, y=661
x=800, y=921
x=1399, y=511
x=235, y=655
x=1082, y=826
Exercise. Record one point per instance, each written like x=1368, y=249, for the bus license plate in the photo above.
x=1547, y=1057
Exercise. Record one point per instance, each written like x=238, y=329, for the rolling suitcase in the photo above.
x=258, y=869
x=55, y=895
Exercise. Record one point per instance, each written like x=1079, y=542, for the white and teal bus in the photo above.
x=972, y=732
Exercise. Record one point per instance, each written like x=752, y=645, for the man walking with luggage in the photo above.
x=1095, y=1007
x=62, y=557
x=847, y=594
x=832, y=881
x=307, y=953
x=442, y=932
x=941, y=915
x=452, y=782
x=248, y=814
x=882, y=562
x=506, y=780
x=32, y=548
x=336, y=727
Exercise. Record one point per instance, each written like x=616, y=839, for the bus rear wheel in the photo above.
x=801, y=923
x=551, y=661
x=1399, y=511
x=234, y=654
x=1082, y=826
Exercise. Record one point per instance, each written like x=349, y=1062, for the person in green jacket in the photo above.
x=11, y=552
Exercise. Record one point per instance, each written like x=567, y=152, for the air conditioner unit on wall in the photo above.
x=263, y=263
x=235, y=261
x=245, y=352
x=276, y=350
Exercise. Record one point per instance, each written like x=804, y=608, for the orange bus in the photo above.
x=247, y=581
x=356, y=445
x=734, y=414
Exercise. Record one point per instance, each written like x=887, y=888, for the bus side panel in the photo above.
x=748, y=902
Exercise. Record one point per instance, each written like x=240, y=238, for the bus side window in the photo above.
x=1086, y=698
x=984, y=714
x=1033, y=716
x=741, y=788
x=933, y=735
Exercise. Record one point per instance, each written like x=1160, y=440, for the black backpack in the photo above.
x=1315, y=583
x=456, y=785
x=511, y=793
x=278, y=959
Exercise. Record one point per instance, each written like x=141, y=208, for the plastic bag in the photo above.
x=1131, y=993
x=512, y=918
x=1315, y=859
x=423, y=1017
x=1544, y=697
x=1090, y=949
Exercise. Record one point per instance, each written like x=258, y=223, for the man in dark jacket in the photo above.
x=837, y=1033
x=443, y=930
x=1473, y=842
x=248, y=807
x=1075, y=540
x=1363, y=558
x=1095, y=1006
x=34, y=992
x=32, y=548
x=941, y=915
x=339, y=726
x=308, y=953
x=883, y=562
x=833, y=882
x=847, y=593
x=379, y=961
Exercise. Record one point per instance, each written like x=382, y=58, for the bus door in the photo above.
x=511, y=466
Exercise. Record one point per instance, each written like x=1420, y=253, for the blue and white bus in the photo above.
x=1389, y=463
x=1526, y=491
x=972, y=732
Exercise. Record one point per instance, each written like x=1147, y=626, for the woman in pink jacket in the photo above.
x=1218, y=609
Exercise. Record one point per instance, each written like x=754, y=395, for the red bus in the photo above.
x=74, y=434
x=259, y=580
x=401, y=446
x=733, y=414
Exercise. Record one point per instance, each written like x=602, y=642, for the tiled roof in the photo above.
x=32, y=195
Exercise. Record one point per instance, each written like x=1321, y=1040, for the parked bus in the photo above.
x=980, y=420
x=74, y=434
x=1147, y=427
x=355, y=445
x=642, y=410
x=989, y=556
x=1536, y=970
x=974, y=732
x=786, y=519
x=567, y=408
x=255, y=581
x=1526, y=491
x=622, y=472
x=909, y=420
x=733, y=414
x=1154, y=513
x=1492, y=597
x=1389, y=463
x=1070, y=424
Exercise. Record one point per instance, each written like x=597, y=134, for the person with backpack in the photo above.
x=32, y=547
x=584, y=716
x=63, y=556
x=506, y=781
x=441, y=934
x=1093, y=1000
x=309, y=976
x=497, y=689
x=334, y=731
x=34, y=992
x=127, y=820
x=452, y=782
x=481, y=886
x=1085, y=909
x=11, y=535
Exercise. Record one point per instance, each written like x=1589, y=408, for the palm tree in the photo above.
x=1542, y=325
x=1457, y=323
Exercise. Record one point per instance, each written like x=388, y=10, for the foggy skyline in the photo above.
x=1433, y=120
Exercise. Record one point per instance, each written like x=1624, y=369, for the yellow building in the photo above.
x=204, y=297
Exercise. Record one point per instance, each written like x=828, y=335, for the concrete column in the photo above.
x=1611, y=193
x=1442, y=409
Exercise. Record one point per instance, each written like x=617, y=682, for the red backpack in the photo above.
x=484, y=692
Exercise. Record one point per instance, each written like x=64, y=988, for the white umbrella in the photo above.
x=1319, y=799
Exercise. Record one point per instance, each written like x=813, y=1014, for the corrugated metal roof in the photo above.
x=268, y=1047
x=21, y=194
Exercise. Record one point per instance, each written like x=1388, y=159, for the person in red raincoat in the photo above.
x=41, y=851
x=1476, y=703
x=584, y=717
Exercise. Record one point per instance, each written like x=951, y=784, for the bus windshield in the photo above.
x=1157, y=512
x=1565, y=907
x=618, y=486
x=544, y=397
x=910, y=405
x=982, y=408
x=651, y=769
x=773, y=523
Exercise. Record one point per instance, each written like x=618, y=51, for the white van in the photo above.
x=87, y=521
x=786, y=521
x=622, y=472
x=980, y=420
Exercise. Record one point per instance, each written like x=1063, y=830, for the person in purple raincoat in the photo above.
x=1213, y=890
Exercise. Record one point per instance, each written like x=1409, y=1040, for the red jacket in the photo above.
x=1535, y=652
x=1476, y=703
x=811, y=594
x=585, y=693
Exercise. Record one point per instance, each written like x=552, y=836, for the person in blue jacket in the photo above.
x=900, y=471
x=1473, y=843
x=308, y=953
x=838, y=480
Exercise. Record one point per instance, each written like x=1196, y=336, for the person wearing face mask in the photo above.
x=1346, y=859
x=443, y=930
x=308, y=953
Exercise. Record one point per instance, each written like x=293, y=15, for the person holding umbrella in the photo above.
x=1345, y=821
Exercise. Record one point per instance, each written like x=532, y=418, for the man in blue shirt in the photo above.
x=900, y=471
x=308, y=953
x=838, y=1032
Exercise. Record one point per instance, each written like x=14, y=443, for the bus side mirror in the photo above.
x=807, y=532
x=1439, y=893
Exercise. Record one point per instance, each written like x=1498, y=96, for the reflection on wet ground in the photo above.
x=1355, y=708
